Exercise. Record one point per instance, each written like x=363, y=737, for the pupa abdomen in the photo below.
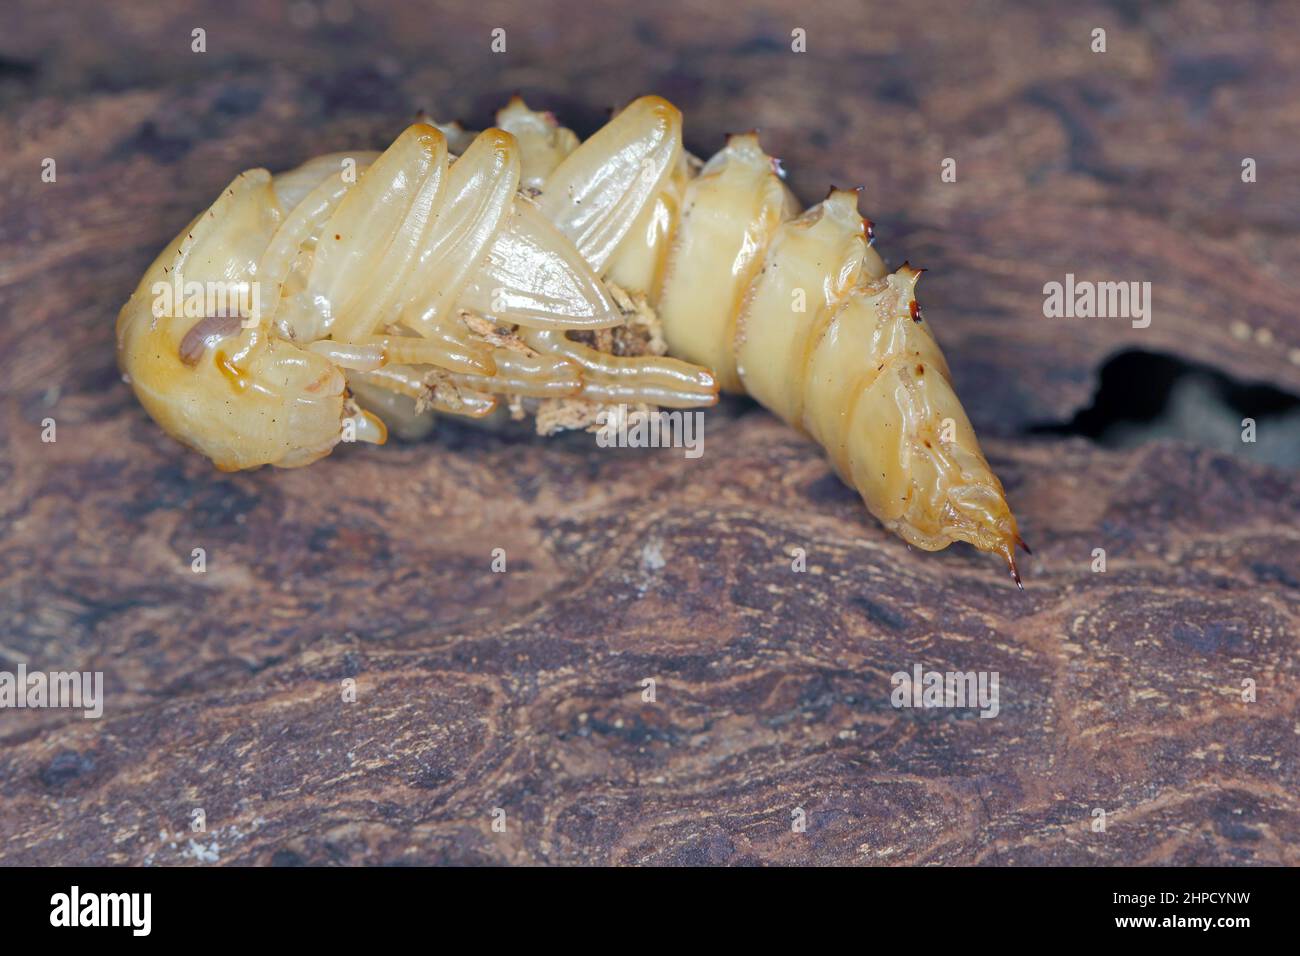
x=797, y=309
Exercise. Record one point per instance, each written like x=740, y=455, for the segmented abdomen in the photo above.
x=799, y=310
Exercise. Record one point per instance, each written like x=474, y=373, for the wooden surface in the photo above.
x=522, y=690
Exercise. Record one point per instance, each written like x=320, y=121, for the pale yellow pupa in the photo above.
x=417, y=280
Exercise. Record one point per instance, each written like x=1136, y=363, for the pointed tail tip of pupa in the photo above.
x=1008, y=553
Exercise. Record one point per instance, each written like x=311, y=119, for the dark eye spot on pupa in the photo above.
x=204, y=334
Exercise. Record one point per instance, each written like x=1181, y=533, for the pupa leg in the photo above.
x=533, y=376
x=470, y=359
x=430, y=389
x=649, y=379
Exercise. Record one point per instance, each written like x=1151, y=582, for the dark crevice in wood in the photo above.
x=1144, y=395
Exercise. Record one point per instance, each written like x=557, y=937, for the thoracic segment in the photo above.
x=429, y=280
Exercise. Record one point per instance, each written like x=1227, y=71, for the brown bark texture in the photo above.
x=524, y=691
